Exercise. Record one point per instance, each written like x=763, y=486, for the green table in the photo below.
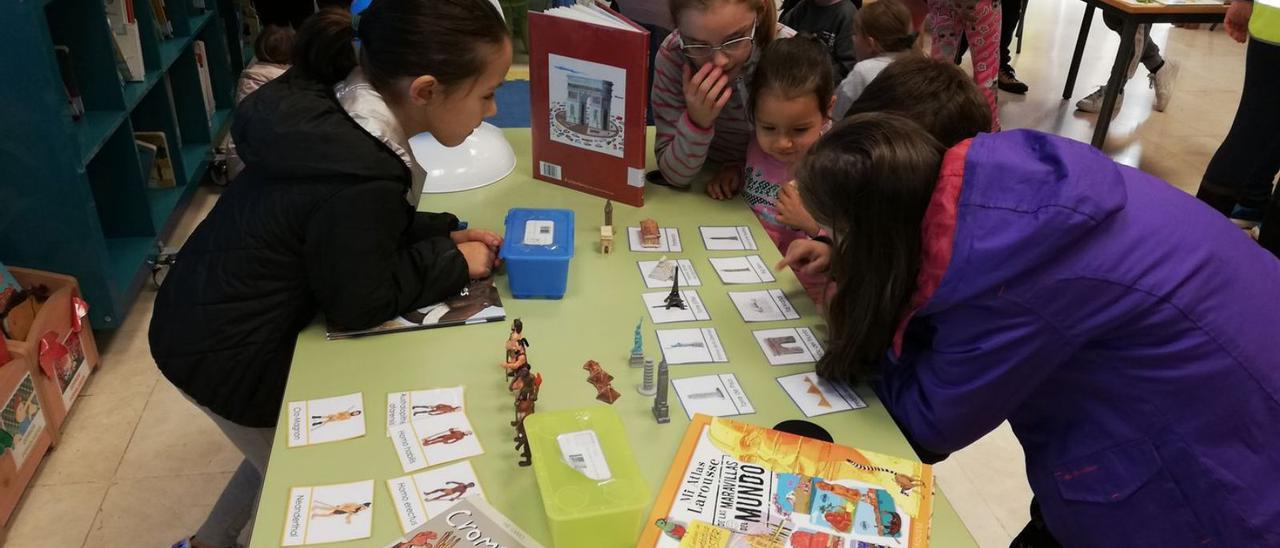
x=595, y=320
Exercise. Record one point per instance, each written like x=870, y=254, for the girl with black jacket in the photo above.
x=323, y=218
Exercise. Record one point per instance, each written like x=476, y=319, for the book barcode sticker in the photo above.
x=539, y=233
x=635, y=177
x=547, y=169
x=581, y=451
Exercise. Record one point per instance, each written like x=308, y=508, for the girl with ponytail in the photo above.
x=323, y=219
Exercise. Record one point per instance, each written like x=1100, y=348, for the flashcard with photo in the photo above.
x=714, y=395
x=422, y=496
x=764, y=306
x=437, y=440
x=403, y=407
x=750, y=269
x=680, y=346
x=329, y=513
x=694, y=309
x=658, y=274
x=815, y=396
x=789, y=346
x=668, y=241
x=325, y=420
x=727, y=238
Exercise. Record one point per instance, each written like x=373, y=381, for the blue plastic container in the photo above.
x=537, y=249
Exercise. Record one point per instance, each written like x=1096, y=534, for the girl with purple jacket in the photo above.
x=1125, y=330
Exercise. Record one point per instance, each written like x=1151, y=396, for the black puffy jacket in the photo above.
x=317, y=222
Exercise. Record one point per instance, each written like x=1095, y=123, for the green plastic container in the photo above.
x=582, y=511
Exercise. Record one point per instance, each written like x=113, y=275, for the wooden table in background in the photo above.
x=1133, y=14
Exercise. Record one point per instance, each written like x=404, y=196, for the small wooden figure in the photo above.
x=606, y=239
x=608, y=214
x=650, y=236
x=661, y=412
x=602, y=380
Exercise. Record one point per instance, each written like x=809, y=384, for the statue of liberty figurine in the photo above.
x=637, y=349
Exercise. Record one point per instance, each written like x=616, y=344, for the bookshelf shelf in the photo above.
x=93, y=129
x=82, y=205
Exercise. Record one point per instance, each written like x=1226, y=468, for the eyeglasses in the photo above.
x=732, y=47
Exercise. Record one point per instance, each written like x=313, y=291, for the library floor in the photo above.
x=138, y=466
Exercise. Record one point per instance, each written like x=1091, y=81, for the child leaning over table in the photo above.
x=791, y=96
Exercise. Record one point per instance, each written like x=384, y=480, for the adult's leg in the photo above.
x=231, y=520
x=1010, y=11
x=1243, y=168
x=982, y=25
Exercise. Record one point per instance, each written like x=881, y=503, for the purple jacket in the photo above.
x=1128, y=333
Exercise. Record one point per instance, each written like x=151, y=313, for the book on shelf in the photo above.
x=478, y=302
x=146, y=157
x=75, y=103
x=588, y=78
x=736, y=484
x=161, y=174
x=206, y=85
x=162, y=18
x=128, y=42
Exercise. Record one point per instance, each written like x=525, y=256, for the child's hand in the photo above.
x=486, y=237
x=791, y=210
x=807, y=256
x=726, y=183
x=705, y=93
x=480, y=259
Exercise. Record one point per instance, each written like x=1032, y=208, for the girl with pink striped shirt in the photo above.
x=699, y=92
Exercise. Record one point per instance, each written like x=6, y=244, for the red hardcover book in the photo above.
x=588, y=74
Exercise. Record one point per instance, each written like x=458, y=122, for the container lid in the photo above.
x=561, y=447
x=538, y=234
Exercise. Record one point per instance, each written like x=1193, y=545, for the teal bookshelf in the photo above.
x=73, y=196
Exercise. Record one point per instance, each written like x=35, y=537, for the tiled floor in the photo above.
x=139, y=467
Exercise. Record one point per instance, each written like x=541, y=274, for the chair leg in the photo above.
x=1022, y=19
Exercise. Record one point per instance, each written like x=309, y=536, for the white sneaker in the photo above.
x=1092, y=103
x=1162, y=81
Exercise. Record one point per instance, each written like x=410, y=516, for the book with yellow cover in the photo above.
x=735, y=484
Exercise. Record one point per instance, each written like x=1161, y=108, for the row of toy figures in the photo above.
x=524, y=383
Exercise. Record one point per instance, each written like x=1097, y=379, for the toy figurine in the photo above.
x=661, y=412
x=517, y=334
x=527, y=396
x=516, y=358
x=606, y=240
x=647, y=388
x=602, y=380
x=650, y=236
x=664, y=271
x=608, y=214
x=522, y=445
x=637, y=348
x=674, y=300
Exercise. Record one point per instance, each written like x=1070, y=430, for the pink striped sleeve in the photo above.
x=681, y=146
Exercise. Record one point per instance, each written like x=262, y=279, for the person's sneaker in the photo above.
x=1162, y=81
x=1008, y=81
x=1092, y=103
